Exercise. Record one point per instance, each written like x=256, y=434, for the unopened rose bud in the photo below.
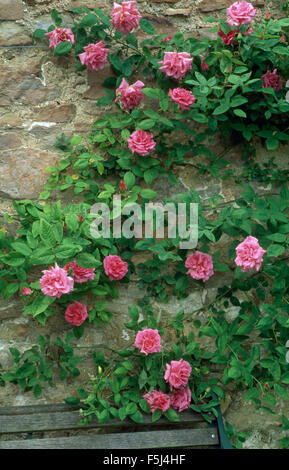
x=168, y=38
x=204, y=66
x=122, y=185
x=26, y=291
x=80, y=218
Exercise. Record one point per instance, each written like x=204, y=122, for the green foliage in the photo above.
x=40, y=363
x=249, y=351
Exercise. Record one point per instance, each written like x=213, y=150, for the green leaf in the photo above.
x=39, y=33
x=147, y=27
x=156, y=415
x=39, y=305
x=63, y=48
x=153, y=93
x=240, y=113
x=146, y=124
x=115, y=62
x=132, y=40
x=56, y=18
x=137, y=417
x=281, y=391
x=89, y=20
x=172, y=415
x=275, y=250
x=14, y=259
x=46, y=233
x=21, y=248
x=148, y=193
x=272, y=144
x=72, y=400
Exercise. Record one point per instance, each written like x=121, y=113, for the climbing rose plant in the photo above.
x=233, y=85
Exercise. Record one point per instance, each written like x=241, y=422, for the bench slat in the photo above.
x=180, y=438
x=70, y=420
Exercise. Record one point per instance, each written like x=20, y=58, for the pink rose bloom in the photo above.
x=26, y=291
x=56, y=282
x=183, y=97
x=200, y=266
x=240, y=13
x=125, y=17
x=181, y=399
x=80, y=274
x=95, y=56
x=249, y=254
x=59, y=35
x=148, y=341
x=130, y=96
x=115, y=268
x=177, y=373
x=158, y=400
x=176, y=64
x=141, y=142
x=271, y=79
x=76, y=314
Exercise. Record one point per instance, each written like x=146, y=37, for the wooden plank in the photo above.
x=23, y=410
x=70, y=420
x=180, y=438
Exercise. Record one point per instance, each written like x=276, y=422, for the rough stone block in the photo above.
x=9, y=140
x=214, y=5
x=21, y=85
x=13, y=34
x=23, y=173
x=11, y=9
x=54, y=113
x=178, y=11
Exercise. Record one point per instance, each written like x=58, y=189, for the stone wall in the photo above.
x=41, y=97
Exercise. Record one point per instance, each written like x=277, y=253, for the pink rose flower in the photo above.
x=183, y=97
x=76, y=314
x=125, y=17
x=200, y=266
x=157, y=400
x=115, y=268
x=141, y=142
x=26, y=291
x=56, y=282
x=176, y=64
x=181, y=399
x=177, y=373
x=80, y=274
x=272, y=79
x=95, y=56
x=249, y=254
x=148, y=341
x=130, y=96
x=240, y=13
x=59, y=35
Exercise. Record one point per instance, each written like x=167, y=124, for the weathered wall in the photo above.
x=41, y=97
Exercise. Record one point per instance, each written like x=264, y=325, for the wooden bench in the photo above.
x=26, y=427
